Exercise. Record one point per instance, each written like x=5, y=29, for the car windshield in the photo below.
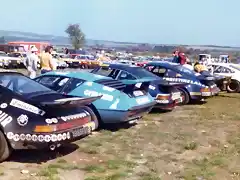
x=22, y=85
x=185, y=70
x=237, y=67
x=3, y=54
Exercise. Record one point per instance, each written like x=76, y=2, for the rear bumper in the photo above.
x=168, y=106
x=47, y=140
x=118, y=116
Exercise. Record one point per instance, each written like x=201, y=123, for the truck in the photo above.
x=27, y=45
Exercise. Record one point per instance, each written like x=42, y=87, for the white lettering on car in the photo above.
x=114, y=105
x=5, y=119
x=182, y=80
x=106, y=97
x=106, y=88
x=142, y=100
x=27, y=107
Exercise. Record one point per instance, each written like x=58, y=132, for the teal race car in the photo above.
x=120, y=102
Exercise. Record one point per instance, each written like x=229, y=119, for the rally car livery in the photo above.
x=33, y=116
x=166, y=94
x=199, y=86
x=119, y=102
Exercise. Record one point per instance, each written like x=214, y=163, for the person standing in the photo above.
x=46, y=60
x=31, y=62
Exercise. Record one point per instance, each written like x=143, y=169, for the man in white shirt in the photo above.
x=31, y=62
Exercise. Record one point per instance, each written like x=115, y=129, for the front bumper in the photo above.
x=47, y=140
x=132, y=114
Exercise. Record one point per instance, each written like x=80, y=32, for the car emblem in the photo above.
x=22, y=137
x=59, y=137
x=68, y=135
x=41, y=138
x=16, y=137
x=22, y=120
x=47, y=138
x=10, y=135
x=54, y=138
x=64, y=136
x=3, y=105
x=28, y=137
x=34, y=137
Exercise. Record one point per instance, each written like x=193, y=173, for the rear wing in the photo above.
x=135, y=86
x=70, y=102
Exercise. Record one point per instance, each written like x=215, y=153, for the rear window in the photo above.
x=21, y=84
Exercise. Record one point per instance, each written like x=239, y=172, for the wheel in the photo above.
x=5, y=150
x=185, y=96
x=233, y=86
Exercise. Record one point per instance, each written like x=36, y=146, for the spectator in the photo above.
x=199, y=68
x=31, y=62
x=175, y=57
x=46, y=60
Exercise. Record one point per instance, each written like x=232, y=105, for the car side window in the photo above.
x=52, y=82
x=114, y=73
x=125, y=75
x=171, y=73
x=159, y=71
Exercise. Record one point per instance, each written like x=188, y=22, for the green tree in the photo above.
x=76, y=36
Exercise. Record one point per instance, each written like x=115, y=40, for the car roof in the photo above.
x=119, y=66
x=80, y=75
x=163, y=63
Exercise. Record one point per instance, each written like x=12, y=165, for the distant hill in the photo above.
x=56, y=40
x=63, y=40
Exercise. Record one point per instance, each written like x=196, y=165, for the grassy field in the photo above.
x=194, y=142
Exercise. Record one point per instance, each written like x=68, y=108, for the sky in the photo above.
x=194, y=22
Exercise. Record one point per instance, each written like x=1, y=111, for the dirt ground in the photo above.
x=193, y=142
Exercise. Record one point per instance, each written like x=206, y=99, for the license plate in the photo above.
x=142, y=100
x=81, y=131
x=176, y=96
x=138, y=93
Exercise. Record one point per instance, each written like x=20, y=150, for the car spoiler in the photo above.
x=72, y=101
x=140, y=84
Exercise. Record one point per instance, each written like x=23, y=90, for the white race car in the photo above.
x=228, y=70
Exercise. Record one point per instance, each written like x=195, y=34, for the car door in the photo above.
x=223, y=71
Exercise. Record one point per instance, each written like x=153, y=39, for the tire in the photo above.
x=233, y=86
x=5, y=150
x=185, y=96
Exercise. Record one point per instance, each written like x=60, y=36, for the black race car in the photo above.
x=35, y=117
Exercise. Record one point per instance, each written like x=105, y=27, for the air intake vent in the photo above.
x=112, y=83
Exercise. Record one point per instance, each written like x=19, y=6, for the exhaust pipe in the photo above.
x=52, y=147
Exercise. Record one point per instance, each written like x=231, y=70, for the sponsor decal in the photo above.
x=89, y=83
x=3, y=105
x=152, y=87
x=106, y=88
x=22, y=120
x=138, y=85
x=5, y=119
x=74, y=116
x=114, y=105
x=91, y=93
x=39, y=138
x=27, y=107
x=181, y=80
x=138, y=93
x=163, y=101
x=142, y=100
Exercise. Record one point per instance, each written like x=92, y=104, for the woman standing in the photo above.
x=46, y=60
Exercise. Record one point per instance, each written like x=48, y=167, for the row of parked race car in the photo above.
x=60, y=107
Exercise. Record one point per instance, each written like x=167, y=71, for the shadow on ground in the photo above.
x=40, y=156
